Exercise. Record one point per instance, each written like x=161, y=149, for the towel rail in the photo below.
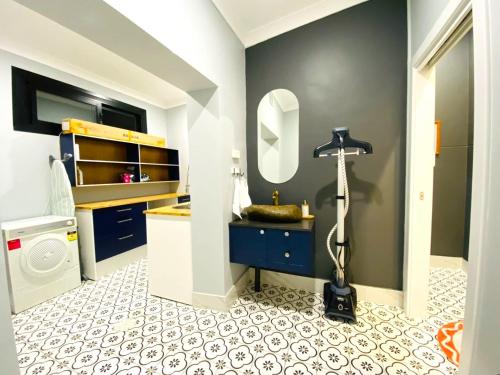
x=65, y=157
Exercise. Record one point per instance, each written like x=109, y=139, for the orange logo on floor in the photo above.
x=450, y=340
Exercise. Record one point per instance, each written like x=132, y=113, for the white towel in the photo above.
x=245, y=200
x=236, y=197
x=61, y=197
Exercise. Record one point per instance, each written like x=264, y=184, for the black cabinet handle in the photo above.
x=124, y=209
x=124, y=220
x=125, y=237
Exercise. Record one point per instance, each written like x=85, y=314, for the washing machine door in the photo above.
x=45, y=255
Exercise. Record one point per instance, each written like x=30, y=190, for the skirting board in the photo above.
x=110, y=265
x=457, y=263
x=222, y=302
x=372, y=294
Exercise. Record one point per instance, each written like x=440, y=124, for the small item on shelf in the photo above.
x=145, y=177
x=127, y=178
x=305, y=209
x=77, y=151
x=80, y=176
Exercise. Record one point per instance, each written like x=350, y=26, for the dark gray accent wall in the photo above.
x=348, y=69
x=453, y=169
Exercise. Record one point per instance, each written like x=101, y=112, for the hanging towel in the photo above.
x=61, y=197
x=245, y=200
x=236, y=197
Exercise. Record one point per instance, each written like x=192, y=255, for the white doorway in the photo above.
x=479, y=346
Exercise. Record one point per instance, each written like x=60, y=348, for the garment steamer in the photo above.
x=339, y=297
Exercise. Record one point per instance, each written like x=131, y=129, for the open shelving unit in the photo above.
x=102, y=161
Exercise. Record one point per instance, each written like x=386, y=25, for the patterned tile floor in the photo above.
x=114, y=327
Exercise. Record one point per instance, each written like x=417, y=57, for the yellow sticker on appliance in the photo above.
x=72, y=236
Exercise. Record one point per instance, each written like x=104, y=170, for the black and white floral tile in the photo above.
x=113, y=326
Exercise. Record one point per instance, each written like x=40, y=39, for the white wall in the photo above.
x=423, y=15
x=8, y=355
x=196, y=32
x=480, y=347
x=178, y=137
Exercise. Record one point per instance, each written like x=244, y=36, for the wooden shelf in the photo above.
x=102, y=161
x=164, y=165
x=107, y=161
x=155, y=155
x=104, y=173
x=160, y=172
x=123, y=201
x=101, y=149
x=129, y=184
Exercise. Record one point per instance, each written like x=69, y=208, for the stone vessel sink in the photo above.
x=289, y=213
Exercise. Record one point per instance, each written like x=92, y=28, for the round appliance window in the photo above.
x=46, y=255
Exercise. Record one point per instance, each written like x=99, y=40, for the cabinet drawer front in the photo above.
x=111, y=245
x=247, y=246
x=118, y=220
x=289, y=251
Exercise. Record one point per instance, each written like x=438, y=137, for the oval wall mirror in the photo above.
x=278, y=135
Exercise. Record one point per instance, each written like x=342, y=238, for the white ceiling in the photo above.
x=254, y=21
x=29, y=34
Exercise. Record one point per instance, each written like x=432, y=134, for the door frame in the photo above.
x=420, y=158
x=479, y=352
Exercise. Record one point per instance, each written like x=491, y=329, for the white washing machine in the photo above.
x=42, y=259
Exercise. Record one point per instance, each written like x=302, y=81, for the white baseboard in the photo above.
x=110, y=265
x=221, y=302
x=457, y=263
x=366, y=293
x=465, y=265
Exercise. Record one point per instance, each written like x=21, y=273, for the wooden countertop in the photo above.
x=303, y=225
x=170, y=210
x=120, y=202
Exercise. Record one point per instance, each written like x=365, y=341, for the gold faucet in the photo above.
x=276, y=197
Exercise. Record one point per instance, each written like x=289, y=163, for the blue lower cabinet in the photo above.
x=118, y=229
x=247, y=246
x=273, y=248
x=289, y=251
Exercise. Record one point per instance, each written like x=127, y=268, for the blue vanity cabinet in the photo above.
x=282, y=247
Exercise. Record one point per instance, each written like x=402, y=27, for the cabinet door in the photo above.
x=289, y=251
x=247, y=246
x=119, y=229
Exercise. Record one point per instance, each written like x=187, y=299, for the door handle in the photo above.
x=124, y=209
x=125, y=237
x=437, y=124
x=124, y=220
x=287, y=254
